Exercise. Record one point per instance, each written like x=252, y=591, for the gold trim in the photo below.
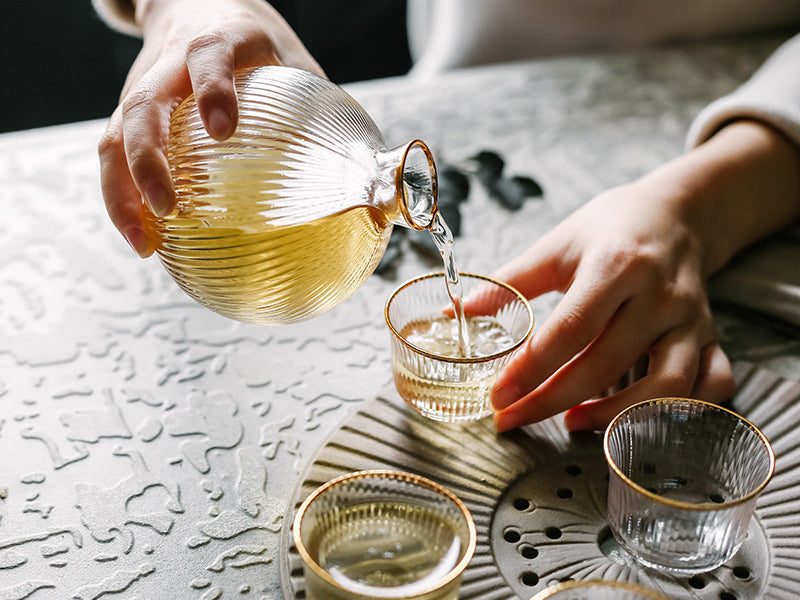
x=703, y=506
x=398, y=182
x=400, y=476
x=459, y=359
x=589, y=583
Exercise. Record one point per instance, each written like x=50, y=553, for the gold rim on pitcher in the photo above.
x=460, y=359
x=411, y=478
x=398, y=182
x=702, y=506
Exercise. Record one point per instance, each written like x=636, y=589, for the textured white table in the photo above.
x=148, y=447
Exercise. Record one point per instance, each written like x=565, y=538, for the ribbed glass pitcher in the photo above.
x=289, y=216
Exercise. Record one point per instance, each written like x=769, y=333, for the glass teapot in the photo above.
x=289, y=216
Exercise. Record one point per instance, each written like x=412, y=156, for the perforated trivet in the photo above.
x=538, y=498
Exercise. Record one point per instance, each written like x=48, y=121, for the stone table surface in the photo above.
x=149, y=448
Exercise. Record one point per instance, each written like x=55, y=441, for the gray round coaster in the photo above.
x=538, y=498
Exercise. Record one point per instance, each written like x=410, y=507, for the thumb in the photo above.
x=535, y=272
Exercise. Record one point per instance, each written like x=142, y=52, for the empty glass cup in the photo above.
x=684, y=479
x=430, y=372
x=383, y=534
x=598, y=590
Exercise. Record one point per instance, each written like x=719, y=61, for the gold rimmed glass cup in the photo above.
x=431, y=373
x=383, y=534
x=598, y=590
x=684, y=479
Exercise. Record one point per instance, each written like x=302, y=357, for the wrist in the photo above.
x=737, y=187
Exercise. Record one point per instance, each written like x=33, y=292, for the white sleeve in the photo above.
x=118, y=14
x=771, y=95
x=765, y=278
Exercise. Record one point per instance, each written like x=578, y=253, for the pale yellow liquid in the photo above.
x=388, y=549
x=225, y=245
x=443, y=337
x=275, y=275
x=449, y=391
x=221, y=248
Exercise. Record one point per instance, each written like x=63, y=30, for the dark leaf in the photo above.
x=453, y=183
x=513, y=192
x=529, y=186
x=452, y=216
x=508, y=193
x=489, y=166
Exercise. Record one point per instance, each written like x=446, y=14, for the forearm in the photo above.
x=734, y=189
x=742, y=170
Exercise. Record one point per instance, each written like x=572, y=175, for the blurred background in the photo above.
x=61, y=63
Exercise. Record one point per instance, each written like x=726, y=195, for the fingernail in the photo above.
x=137, y=239
x=219, y=123
x=506, y=420
x=157, y=198
x=504, y=396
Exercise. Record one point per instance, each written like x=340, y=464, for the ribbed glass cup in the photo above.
x=383, y=534
x=291, y=214
x=598, y=590
x=450, y=388
x=684, y=479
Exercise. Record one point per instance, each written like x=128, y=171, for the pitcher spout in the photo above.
x=406, y=189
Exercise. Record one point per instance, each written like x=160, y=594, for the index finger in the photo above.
x=578, y=318
x=122, y=199
x=146, y=115
x=546, y=265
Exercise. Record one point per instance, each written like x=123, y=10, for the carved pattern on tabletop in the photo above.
x=147, y=444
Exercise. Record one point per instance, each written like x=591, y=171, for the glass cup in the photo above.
x=383, y=534
x=684, y=479
x=597, y=590
x=430, y=372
